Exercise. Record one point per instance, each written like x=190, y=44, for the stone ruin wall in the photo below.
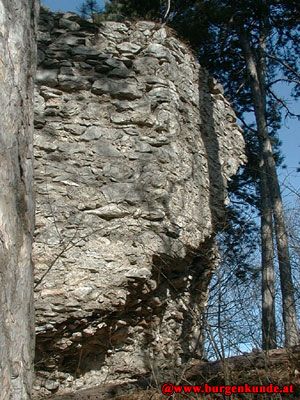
x=134, y=146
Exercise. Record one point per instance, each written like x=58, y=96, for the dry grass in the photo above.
x=280, y=367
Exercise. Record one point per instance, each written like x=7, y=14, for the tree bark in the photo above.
x=17, y=65
x=268, y=278
x=268, y=275
x=256, y=76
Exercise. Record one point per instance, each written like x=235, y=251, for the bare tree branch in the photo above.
x=168, y=10
x=283, y=104
x=284, y=64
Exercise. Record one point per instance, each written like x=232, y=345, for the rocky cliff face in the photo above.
x=134, y=146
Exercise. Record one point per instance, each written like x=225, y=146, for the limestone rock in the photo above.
x=120, y=89
x=135, y=145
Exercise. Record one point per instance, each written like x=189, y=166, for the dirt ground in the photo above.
x=278, y=367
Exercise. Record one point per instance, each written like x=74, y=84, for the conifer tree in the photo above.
x=249, y=46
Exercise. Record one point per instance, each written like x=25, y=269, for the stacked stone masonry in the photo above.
x=134, y=147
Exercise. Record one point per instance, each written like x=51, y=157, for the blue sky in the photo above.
x=289, y=133
x=290, y=137
x=66, y=5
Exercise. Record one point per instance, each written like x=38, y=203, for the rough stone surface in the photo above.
x=134, y=147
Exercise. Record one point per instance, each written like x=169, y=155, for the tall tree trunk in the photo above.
x=17, y=64
x=256, y=76
x=268, y=278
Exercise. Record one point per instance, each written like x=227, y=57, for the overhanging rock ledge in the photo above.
x=134, y=147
